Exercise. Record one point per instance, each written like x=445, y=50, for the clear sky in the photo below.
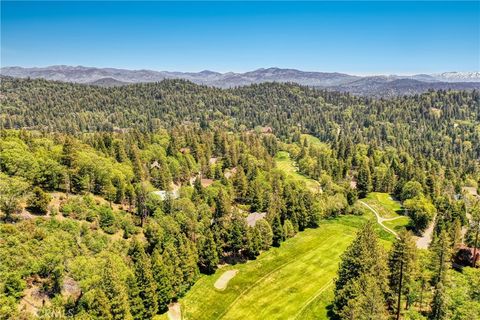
x=353, y=37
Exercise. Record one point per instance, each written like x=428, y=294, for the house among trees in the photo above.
x=465, y=256
x=252, y=218
x=230, y=172
x=163, y=194
x=266, y=130
x=155, y=164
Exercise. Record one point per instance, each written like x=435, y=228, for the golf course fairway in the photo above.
x=294, y=281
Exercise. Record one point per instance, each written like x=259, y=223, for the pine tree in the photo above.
x=403, y=268
x=237, y=233
x=240, y=183
x=288, y=229
x=115, y=291
x=68, y=152
x=137, y=307
x=161, y=177
x=368, y=302
x=278, y=235
x=439, y=306
x=163, y=282
x=138, y=169
x=172, y=264
x=39, y=201
x=222, y=205
x=364, y=179
x=172, y=147
x=265, y=232
x=473, y=232
x=255, y=195
x=141, y=194
x=100, y=306
x=440, y=262
x=188, y=263
x=254, y=242
x=198, y=188
x=208, y=256
x=144, y=280
x=441, y=257
x=364, y=257
x=457, y=237
x=110, y=193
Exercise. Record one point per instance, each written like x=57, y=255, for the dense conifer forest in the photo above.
x=114, y=201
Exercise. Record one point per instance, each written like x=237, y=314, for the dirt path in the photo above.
x=424, y=241
x=380, y=219
x=222, y=282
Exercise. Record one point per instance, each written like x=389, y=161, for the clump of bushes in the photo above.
x=38, y=202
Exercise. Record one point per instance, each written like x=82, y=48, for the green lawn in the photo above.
x=293, y=281
x=397, y=224
x=385, y=205
x=314, y=141
x=287, y=165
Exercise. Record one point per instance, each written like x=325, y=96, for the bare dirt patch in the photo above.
x=222, y=282
x=33, y=299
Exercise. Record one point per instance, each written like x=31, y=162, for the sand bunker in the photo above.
x=174, y=311
x=222, y=282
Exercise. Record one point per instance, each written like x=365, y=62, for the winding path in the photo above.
x=422, y=242
x=380, y=219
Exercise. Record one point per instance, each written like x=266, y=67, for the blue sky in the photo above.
x=353, y=37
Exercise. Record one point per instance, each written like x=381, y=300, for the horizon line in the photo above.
x=360, y=74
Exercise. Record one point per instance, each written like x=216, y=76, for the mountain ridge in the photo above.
x=377, y=85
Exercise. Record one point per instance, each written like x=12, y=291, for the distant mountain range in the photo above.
x=359, y=85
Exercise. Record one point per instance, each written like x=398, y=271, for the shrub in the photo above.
x=38, y=201
x=107, y=219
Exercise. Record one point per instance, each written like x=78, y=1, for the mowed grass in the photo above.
x=314, y=141
x=294, y=281
x=397, y=224
x=287, y=165
x=385, y=205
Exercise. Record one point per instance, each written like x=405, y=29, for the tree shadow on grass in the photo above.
x=330, y=314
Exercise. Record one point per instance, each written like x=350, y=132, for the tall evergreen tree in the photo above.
x=367, y=302
x=277, y=229
x=144, y=280
x=162, y=279
x=222, y=205
x=115, y=291
x=403, y=268
x=254, y=242
x=441, y=255
x=364, y=258
x=208, y=256
x=100, y=306
x=364, y=179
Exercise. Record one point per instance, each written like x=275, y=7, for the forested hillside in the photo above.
x=115, y=200
x=440, y=124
